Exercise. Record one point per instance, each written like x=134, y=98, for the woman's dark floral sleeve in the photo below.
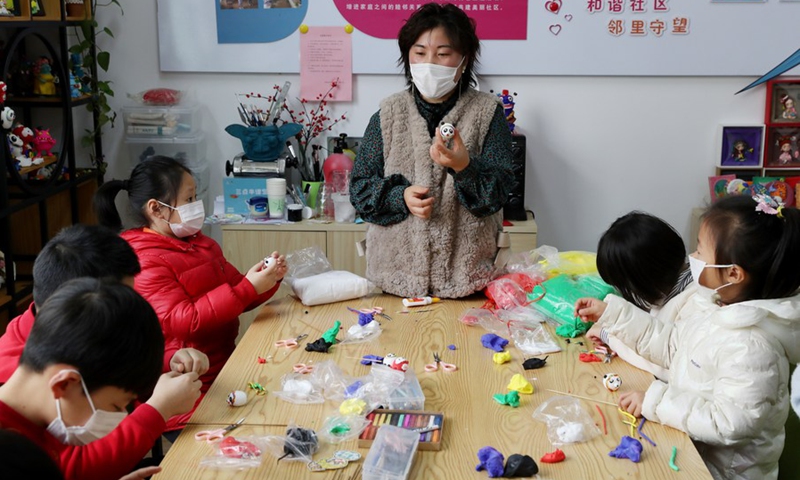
x=484, y=185
x=376, y=198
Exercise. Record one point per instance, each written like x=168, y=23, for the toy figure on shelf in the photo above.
x=785, y=156
x=3, y=90
x=741, y=150
x=7, y=117
x=789, y=110
x=507, y=99
x=45, y=83
x=74, y=86
x=44, y=142
x=15, y=148
x=76, y=59
x=27, y=136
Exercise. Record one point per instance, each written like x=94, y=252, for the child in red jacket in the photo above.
x=197, y=294
x=95, y=346
x=82, y=251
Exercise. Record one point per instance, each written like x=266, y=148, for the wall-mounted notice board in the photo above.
x=559, y=37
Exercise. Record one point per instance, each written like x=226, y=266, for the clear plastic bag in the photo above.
x=567, y=422
x=533, y=340
x=300, y=389
x=340, y=428
x=236, y=453
x=377, y=387
x=361, y=334
x=520, y=316
x=307, y=262
x=473, y=316
x=299, y=444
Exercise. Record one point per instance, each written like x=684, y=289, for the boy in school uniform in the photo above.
x=95, y=347
x=83, y=251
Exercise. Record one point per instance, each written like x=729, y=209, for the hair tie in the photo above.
x=769, y=205
x=126, y=185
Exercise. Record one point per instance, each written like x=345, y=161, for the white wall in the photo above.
x=597, y=146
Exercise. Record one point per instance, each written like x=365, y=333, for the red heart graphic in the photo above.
x=555, y=29
x=553, y=6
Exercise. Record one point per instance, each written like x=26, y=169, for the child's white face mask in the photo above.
x=192, y=217
x=696, y=266
x=100, y=424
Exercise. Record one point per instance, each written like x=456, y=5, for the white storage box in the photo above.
x=149, y=121
x=192, y=150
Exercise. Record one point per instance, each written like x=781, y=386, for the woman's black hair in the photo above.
x=766, y=246
x=642, y=256
x=460, y=29
x=157, y=177
x=104, y=329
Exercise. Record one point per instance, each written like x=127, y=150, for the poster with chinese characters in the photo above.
x=518, y=37
x=495, y=19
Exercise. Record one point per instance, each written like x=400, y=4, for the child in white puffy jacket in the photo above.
x=728, y=356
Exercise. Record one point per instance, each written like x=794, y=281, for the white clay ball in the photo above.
x=612, y=382
x=447, y=131
x=268, y=261
x=237, y=398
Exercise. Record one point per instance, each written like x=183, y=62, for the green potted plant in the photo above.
x=93, y=57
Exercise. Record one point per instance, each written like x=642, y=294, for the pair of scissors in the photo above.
x=303, y=368
x=290, y=342
x=437, y=362
x=214, y=436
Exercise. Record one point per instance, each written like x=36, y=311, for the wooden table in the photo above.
x=472, y=418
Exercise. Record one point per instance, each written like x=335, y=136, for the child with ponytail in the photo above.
x=196, y=293
x=728, y=356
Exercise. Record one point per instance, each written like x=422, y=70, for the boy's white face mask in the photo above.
x=100, y=424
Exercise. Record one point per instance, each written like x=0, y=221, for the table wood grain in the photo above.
x=473, y=419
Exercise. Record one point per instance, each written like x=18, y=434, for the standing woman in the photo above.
x=433, y=204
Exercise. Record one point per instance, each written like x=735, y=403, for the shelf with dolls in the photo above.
x=46, y=185
x=763, y=158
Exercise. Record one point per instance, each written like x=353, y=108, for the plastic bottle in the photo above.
x=325, y=202
x=419, y=301
x=337, y=160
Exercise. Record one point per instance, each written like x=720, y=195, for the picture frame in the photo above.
x=238, y=4
x=782, y=147
x=782, y=101
x=740, y=146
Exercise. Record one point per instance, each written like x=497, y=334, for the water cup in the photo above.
x=344, y=212
x=276, y=194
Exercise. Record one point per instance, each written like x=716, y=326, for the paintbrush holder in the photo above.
x=263, y=144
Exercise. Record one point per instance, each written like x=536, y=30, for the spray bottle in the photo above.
x=338, y=161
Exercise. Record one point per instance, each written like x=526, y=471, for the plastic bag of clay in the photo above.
x=299, y=444
x=235, y=453
x=377, y=387
x=331, y=379
x=506, y=293
x=566, y=420
x=360, y=334
x=473, y=316
x=300, y=388
x=340, y=428
x=534, y=262
x=533, y=340
x=520, y=316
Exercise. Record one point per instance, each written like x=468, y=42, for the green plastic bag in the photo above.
x=557, y=297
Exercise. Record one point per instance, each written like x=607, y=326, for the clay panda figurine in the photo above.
x=612, y=382
x=447, y=131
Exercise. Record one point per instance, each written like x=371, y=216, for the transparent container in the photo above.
x=391, y=455
x=191, y=150
x=325, y=202
x=151, y=121
x=409, y=395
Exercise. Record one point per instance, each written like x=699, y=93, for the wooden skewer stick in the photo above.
x=584, y=398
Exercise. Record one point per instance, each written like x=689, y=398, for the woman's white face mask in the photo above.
x=100, y=424
x=434, y=81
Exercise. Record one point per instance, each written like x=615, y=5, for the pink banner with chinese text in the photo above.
x=495, y=19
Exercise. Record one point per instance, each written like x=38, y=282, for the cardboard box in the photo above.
x=238, y=190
